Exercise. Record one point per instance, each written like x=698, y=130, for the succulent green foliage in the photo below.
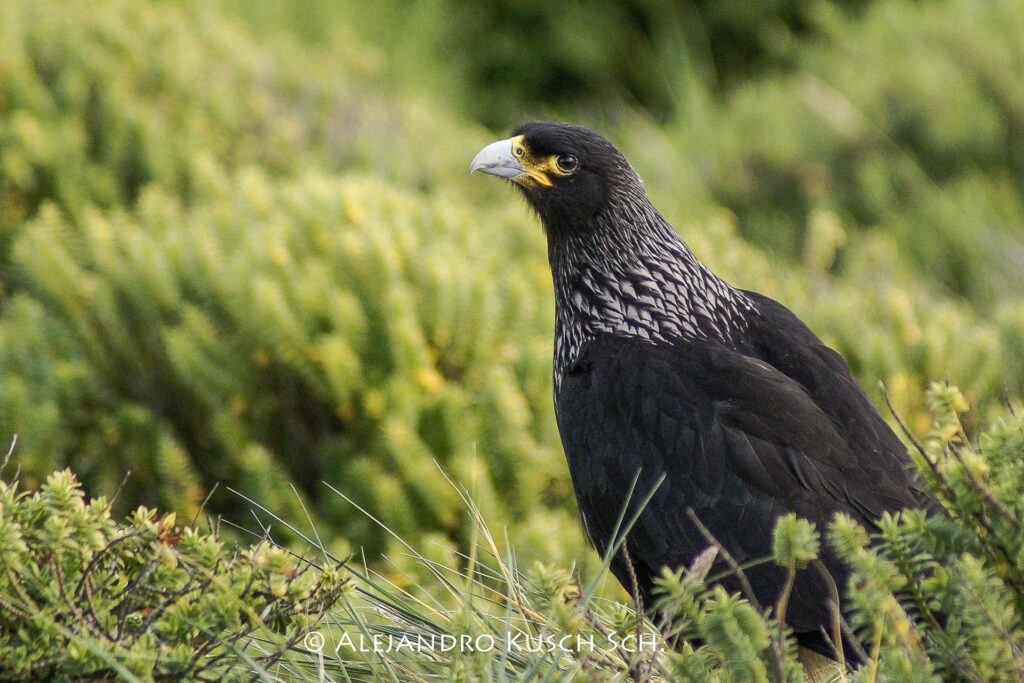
x=327, y=329
x=83, y=596
x=93, y=102
x=229, y=257
x=238, y=311
x=931, y=598
x=96, y=102
x=938, y=597
x=490, y=620
x=902, y=121
x=795, y=542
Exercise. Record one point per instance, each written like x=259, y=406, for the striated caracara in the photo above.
x=664, y=370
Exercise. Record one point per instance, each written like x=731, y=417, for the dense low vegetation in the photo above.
x=934, y=599
x=237, y=246
x=87, y=598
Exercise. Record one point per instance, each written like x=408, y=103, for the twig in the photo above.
x=206, y=500
x=837, y=615
x=1007, y=401
x=985, y=493
x=748, y=591
x=124, y=480
x=10, y=452
x=58, y=575
x=99, y=557
x=783, y=602
x=876, y=650
x=851, y=638
x=906, y=431
x=642, y=669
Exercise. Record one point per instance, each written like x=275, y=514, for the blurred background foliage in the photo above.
x=237, y=243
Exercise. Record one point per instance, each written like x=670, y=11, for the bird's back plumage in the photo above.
x=736, y=440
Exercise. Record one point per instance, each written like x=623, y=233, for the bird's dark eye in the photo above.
x=567, y=163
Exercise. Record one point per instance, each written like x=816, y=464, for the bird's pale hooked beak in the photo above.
x=497, y=159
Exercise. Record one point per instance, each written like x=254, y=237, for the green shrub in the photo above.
x=238, y=318
x=930, y=599
x=83, y=597
x=98, y=101
x=939, y=598
x=341, y=330
x=904, y=121
x=324, y=329
x=518, y=58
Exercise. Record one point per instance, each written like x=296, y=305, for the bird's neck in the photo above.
x=630, y=274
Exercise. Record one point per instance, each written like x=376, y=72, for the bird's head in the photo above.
x=569, y=174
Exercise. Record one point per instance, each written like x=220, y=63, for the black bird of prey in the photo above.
x=664, y=369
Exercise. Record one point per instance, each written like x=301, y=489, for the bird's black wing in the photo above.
x=736, y=440
x=778, y=337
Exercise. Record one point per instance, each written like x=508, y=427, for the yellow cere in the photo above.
x=538, y=170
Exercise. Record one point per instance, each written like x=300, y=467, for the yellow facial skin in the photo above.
x=538, y=171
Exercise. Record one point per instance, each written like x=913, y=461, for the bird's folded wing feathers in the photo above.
x=717, y=415
x=707, y=428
